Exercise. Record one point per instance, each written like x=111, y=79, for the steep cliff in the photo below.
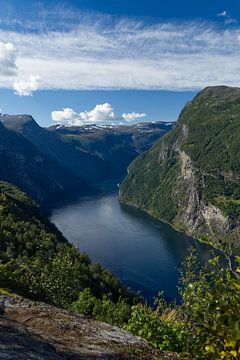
x=190, y=178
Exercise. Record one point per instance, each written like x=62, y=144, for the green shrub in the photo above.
x=162, y=333
x=102, y=309
x=211, y=304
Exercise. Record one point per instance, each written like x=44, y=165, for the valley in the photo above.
x=145, y=254
x=119, y=180
x=58, y=164
x=80, y=229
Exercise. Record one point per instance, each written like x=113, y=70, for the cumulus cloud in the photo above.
x=7, y=59
x=66, y=116
x=133, y=116
x=27, y=87
x=101, y=113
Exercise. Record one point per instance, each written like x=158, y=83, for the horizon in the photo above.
x=100, y=124
x=80, y=62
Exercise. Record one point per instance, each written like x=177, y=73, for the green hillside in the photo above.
x=190, y=178
x=38, y=262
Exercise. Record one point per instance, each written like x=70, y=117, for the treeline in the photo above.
x=37, y=262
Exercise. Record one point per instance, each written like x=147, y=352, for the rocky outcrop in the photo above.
x=196, y=215
x=31, y=330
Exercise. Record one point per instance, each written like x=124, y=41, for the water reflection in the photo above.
x=143, y=252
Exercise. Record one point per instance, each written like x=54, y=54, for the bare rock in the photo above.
x=32, y=330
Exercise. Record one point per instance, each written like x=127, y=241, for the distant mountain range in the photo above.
x=60, y=163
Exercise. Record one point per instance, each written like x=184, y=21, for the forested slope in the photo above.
x=190, y=177
x=38, y=262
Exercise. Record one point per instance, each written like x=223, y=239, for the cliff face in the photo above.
x=190, y=178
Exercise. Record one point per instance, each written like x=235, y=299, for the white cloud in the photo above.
x=66, y=116
x=133, y=116
x=27, y=87
x=223, y=13
x=7, y=59
x=106, y=53
x=227, y=18
x=100, y=114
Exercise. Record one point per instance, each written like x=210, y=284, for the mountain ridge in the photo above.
x=189, y=177
x=53, y=163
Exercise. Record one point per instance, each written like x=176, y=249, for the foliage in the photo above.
x=24, y=231
x=115, y=313
x=149, y=188
x=160, y=327
x=207, y=133
x=206, y=325
x=211, y=304
x=37, y=261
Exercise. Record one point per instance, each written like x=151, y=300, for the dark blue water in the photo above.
x=145, y=254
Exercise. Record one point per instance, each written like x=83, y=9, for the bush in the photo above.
x=162, y=327
x=102, y=309
x=211, y=302
x=207, y=323
x=112, y=313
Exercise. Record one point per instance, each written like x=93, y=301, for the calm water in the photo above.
x=145, y=254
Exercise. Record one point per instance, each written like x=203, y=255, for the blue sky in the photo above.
x=85, y=61
x=171, y=9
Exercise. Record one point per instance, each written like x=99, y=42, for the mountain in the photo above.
x=117, y=146
x=62, y=163
x=81, y=164
x=190, y=177
x=25, y=166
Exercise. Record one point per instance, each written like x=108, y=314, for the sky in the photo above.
x=114, y=61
